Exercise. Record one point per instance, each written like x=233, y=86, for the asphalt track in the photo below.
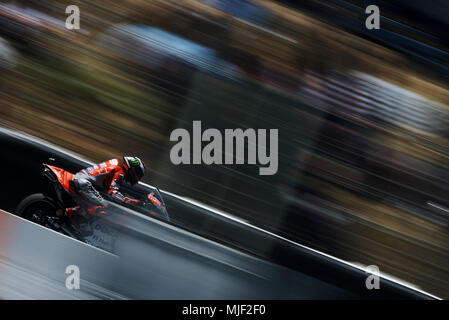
x=202, y=254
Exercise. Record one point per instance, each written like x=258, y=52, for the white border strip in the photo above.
x=437, y=206
x=27, y=137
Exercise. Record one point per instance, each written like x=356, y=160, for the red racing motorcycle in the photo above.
x=48, y=209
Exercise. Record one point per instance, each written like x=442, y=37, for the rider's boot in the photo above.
x=73, y=212
x=77, y=219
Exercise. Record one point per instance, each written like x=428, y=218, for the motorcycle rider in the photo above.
x=106, y=176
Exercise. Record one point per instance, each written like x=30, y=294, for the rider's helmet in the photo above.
x=134, y=169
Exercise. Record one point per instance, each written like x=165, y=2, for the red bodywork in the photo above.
x=64, y=177
x=154, y=200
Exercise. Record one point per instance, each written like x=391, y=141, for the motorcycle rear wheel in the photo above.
x=35, y=208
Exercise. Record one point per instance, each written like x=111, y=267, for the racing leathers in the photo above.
x=107, y=176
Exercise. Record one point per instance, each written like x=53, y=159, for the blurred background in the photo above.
x=362, y=114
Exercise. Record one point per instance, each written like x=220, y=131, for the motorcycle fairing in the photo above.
x=155, y=201
x=64, y=177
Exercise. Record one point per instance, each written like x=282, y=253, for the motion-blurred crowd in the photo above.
x=363, y=129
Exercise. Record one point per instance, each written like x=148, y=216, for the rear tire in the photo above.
x=35, y=207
